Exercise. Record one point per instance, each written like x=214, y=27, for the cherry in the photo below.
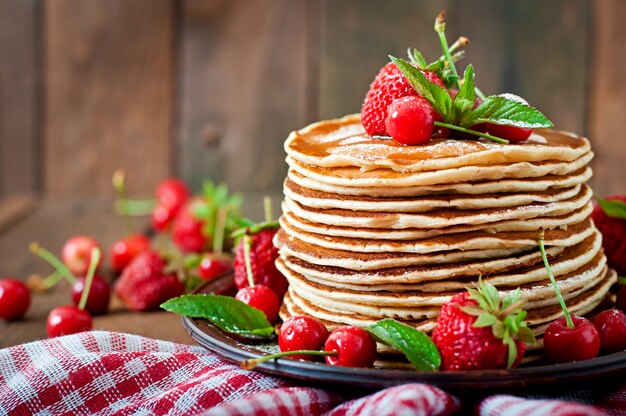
x=564, y=344
x=14, y=299
x=76, y=253
x=161, y=217
x=354, y=347
x=620, y=301
x=510, y=133
x=98, y=297
x=172, y=193
x=302, y=332
x=410, y=120
x=262, y=298
x=611, y=325
x=66, y=320
x=213, y=265
x=124, y=250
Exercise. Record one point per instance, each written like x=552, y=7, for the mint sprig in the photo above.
x=500, y=110
x=227, y=313
x=613, y=208
x=414, y=344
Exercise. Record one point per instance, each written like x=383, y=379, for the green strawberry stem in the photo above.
x=255, y=228
x=220, y=227
x=568, y=318
x=480, y=93
x=621, y=280
x=93, y=263
x=267, y=208
x=474, y=132
x=247, y=245
x=440, y=28
x=53, y=260
x=251, y=363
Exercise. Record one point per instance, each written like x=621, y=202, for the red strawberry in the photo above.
x=473, y=334
x=171, y=194
x=613, y=231
x=187, y=229
x=388, y=86
x=262, y=257
x=144, y=284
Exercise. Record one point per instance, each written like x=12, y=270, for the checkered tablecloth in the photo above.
x=106, y=373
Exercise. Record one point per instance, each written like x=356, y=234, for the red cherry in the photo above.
x=66, y=320
x=410, y=120
x=611, y=325
x=14, y=299
x=161, y=217
x=262, y=298
x=76, y=253
x=354, y=346
x=172, y=193
x=302, y=332
x=510, y=133
x=213, y=265
x=124, y=250
x=98, y=297
x=563, y=344
x=620, y=302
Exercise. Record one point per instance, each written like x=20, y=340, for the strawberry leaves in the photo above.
x=613, y=208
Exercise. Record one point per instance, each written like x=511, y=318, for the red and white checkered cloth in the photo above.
x=107, y=373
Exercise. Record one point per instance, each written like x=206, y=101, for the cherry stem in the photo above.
x=120, y=188
x=53, y=260
x=51, y=280
x=267, y=208
x=253, y=362
x=480, y=93
x=440, y=28
x=134, y=207
x=247, y=244
x=220, y=227
x=93, y=264
x=474, y=132
x=568, y=318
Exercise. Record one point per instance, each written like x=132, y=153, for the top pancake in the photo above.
x=344, y=143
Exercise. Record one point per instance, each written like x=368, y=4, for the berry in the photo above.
x=124, y=250
x=98, y=297
x=262, y=257
x=161, y=218
x=510, y=133
x=613, y=235
x=354, y=347
x=187, y=230
x=66, y=320
x=14, y=299
x=620, y=302
x=302, y=332
x=611, y=324
x=76, y=253
x=388, y=86
x=144, y=284
x=410, y=120
x=172, y=193
x=261, y=297
x=212, y=265
x=465, y=346
x=563, y=344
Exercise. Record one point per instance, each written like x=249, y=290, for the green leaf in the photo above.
x=613, y=208
x=227, y=313
x=438, y=97
x=512, y=350
x=417, y=58
x=511, y=297
x=467, y=91
x=621, y=280
x=501, y=110
x=525, y=335
x=485, y=319
x=416, y=345
x=491, y=295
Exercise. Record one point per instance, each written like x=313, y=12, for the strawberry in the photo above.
x=262, y=257
x=145, y=284
x=187, y=229
x=388, y=86
x=477, y=330
x=613, y=229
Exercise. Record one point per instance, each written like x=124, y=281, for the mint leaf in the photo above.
x=613, y=208
x=501, y=110
x=228, y=314
x=438, y=97
x=415, y=344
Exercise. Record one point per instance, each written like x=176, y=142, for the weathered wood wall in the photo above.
x=210, y=88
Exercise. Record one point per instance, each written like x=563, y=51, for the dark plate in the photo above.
x=232, y=349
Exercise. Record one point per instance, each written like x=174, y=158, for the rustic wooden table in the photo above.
x=50, y=223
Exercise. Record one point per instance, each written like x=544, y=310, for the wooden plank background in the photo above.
x=210, y=88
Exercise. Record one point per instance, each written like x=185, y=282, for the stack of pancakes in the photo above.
x=372, y=229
